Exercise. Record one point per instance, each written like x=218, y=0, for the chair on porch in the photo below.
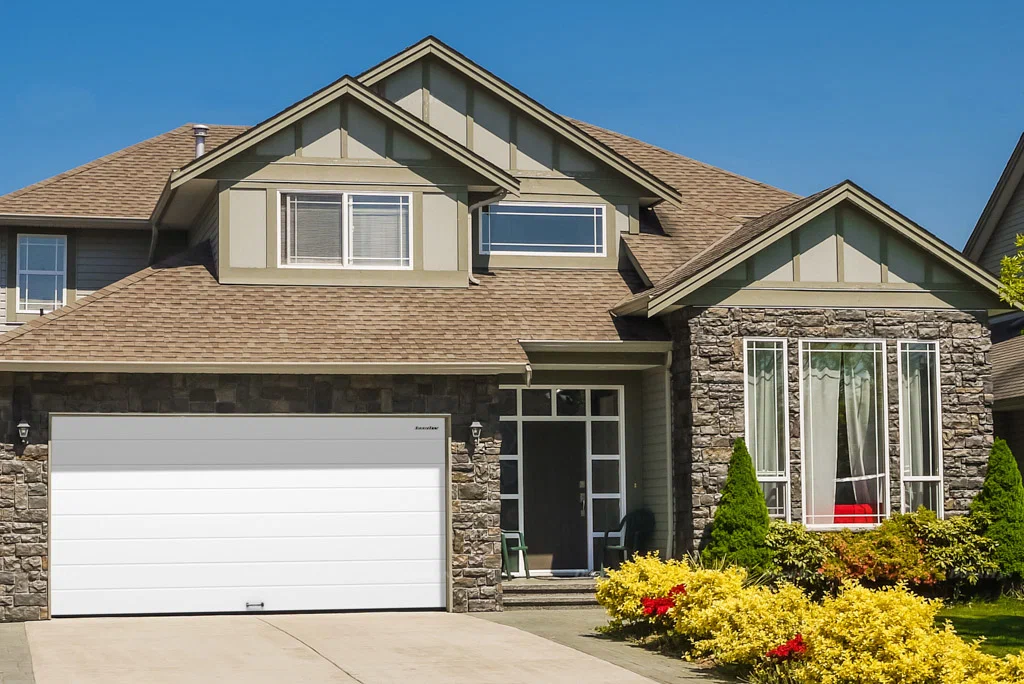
x=519, y=545
x=634, y=531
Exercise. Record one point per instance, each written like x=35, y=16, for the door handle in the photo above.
x=583, y=505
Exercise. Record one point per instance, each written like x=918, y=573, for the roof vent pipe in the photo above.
x=200, y=131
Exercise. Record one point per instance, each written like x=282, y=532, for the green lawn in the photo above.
x=1000, y=622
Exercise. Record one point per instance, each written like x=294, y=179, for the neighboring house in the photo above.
x=416, y=308
x=994, y=237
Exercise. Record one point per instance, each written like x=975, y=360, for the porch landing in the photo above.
x=549, y=592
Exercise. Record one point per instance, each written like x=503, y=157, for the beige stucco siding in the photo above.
x=655, y=472
x=103, y=257
x=1003, y=241
x=448, y=102
x=247, y=221
x=367, y=133
x=440, y=232
x=405, y=89
x=321, y=132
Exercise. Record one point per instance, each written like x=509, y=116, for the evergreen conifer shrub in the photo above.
x=741, y=519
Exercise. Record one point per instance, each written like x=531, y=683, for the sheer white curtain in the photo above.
x=914, y=411
x=823, y=377
x=766, y=428
x=861, y=431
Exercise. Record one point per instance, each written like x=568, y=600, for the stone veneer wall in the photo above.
x=708, y=395
x=24, y=502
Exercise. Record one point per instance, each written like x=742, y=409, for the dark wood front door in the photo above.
x=554, y=494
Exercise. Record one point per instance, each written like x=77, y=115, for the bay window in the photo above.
x=767, y=432
x=920, y=426
x=346, y=230
x=42, y=273
x=844, y=432
x=542, y=229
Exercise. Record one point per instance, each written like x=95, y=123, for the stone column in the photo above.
x=476, y=526
x=24, y=523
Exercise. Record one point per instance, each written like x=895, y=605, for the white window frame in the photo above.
x=346, y=228
x=784, y=479
x=884, y=379
x=552, y=205
x=589, y=419
x=904, y=478
x=19, y=272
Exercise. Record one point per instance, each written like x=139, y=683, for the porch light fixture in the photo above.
x=23, y=428
x=475, y=429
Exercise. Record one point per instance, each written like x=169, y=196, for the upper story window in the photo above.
x=527, y=228
x=42, y=272
x=346, y=230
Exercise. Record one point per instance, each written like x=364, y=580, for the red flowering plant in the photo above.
x=659, y=606
x=790, y=650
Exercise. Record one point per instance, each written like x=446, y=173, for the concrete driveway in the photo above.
x=327, y=648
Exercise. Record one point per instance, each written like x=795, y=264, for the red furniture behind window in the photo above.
x=855, y=514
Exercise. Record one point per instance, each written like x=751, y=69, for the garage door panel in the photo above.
x=233, y=599
x=300, y=513
x=256, y=525
x=294, y=501
x=184, y=575
x=227, y=428
x=210, y=477
x=184, y=453
x=129, y=551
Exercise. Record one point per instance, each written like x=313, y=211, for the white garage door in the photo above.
x=180, y=514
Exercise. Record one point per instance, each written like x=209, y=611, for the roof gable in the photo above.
x=758, y=234
x=1005, y=188
x=345, y=87
x=436, y=49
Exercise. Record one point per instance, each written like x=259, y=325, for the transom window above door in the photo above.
x=346, y=230
x=528, y=228
x=42, y=272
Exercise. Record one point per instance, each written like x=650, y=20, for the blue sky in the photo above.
x=919, y=102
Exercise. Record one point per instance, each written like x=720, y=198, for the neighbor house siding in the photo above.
x=655, y=477
x=4, y=237
x=106, y=256
x=709, y=393
x=1010, y=426
x=1003, y=240
x=24, y=492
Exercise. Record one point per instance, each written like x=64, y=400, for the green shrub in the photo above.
x=798, y=555
x=741, y=520
x=1002, y=501
x=956, y=545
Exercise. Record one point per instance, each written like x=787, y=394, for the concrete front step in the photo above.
x=549, y=593
x=541, y=600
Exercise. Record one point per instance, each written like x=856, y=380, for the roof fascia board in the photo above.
x=45, y=221
x=636, y=263
x=617, y=346
x=468, y=368
x=865, y=202
x=348, y=86
x=1007, y=184
x=433, y=47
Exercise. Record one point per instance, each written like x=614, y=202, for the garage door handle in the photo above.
x=254, y=605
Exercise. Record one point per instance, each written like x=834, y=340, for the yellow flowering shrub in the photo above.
x=739, y=628
x=776, y=635
x=622, y=591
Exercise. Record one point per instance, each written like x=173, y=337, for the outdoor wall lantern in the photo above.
x=23, y=428
x=475, y=429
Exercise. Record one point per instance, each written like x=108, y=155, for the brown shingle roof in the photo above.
x=1008, y=368
x=125, y=184
x=715, y=202
x=177, y=312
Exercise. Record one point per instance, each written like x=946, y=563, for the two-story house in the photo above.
x=325, y=361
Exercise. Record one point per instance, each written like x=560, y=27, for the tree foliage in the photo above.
x=1002, y=501
x=741, y=520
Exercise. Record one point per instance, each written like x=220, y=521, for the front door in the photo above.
x=555, y=494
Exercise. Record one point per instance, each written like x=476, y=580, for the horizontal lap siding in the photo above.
x=1003, y=241
x=104, y=257
x=207, y=228
x=655, y=453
